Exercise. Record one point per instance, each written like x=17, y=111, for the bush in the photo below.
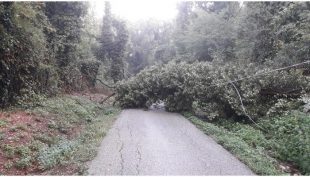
x=181, y=85
x=1, y=135
x=291, y=134
x=240, y=146
x=24, y=162
x=10, y=151
x=247, y=133
x=22, y=48
x=24, y=151
x=156, y=82
x=50, y=156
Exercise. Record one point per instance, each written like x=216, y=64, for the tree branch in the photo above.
x=107, y=98
x=98, y=80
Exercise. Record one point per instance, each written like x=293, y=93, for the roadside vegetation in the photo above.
x=233, y=66
x=218, y=60
x=243, y=141
x=57, y=137
x=279, y=149
x=278, y=141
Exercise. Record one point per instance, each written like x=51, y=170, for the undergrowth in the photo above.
x=74, y=129
x=49, y=156
x=245, y=143
x=283, y=139
x=290, y=135
x=95, y=120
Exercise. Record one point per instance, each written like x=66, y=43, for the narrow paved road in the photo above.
x=161, y=143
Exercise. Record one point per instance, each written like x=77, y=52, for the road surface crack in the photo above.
x=130, y=132
x=139, y=158
x=120, y=150
x=138, y=148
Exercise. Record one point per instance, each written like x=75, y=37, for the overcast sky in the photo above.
x=134, y=10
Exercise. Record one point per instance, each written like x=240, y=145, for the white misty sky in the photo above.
x=135, y=10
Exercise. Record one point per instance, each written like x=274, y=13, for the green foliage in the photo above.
x=91, y=138
x=50, y=149
x=113, y=39
x=22, y=48
x=76, y=128
x=149, y=43
x=52, y=124
x=21, y=127
x=285, y=137
x=23, y=162
x=155, y=83
x=3, y=122
x=58, y=153
x=291, y=135
x=23, y=150
x=9, y=151
x=22, y=135
x=238, y=144
x=287, y=26
x=90, y=70
x=43, y=45
x=13, y=129
x=2, y=136
x=8, y=165
x=35, y=145
x=73, y=112
x=45, y=138
x=65, y=43
x=41, y=49
x=253, y=32
x=253, y=137
x=181, y=85
x=66, y=18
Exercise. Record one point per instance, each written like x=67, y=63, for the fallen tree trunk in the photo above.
x=105, y=84
x=107, y=98
x=88, y=75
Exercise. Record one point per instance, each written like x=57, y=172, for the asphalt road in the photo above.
x=156, y=142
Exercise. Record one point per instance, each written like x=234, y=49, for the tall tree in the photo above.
x=114, y=38
x=88, y=48
x=67, y=19
x=209, y=33
x=150, y=42
x=22, y=49
x=275, y=31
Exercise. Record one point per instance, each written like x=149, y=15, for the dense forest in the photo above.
x=220, y=60
x=54, y=47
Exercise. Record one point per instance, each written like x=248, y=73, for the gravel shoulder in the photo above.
x=156, y=142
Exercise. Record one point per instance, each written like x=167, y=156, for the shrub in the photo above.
x=23, y=162
x=2, y=136
x=291, y=134
x=35, y=145
x=50, y=156
x=8, y=165
x=10, y=151
x=21, y=127
x=52, y=124
x=247, y=133
x=3, y=122
x=254, y=157
x=45, y=138
x=23, y=150
x=180, y=85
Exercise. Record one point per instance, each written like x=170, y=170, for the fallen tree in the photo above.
x=186, y=87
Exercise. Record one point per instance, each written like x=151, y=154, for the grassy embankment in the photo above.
x=282, y=148
x=58, y=137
